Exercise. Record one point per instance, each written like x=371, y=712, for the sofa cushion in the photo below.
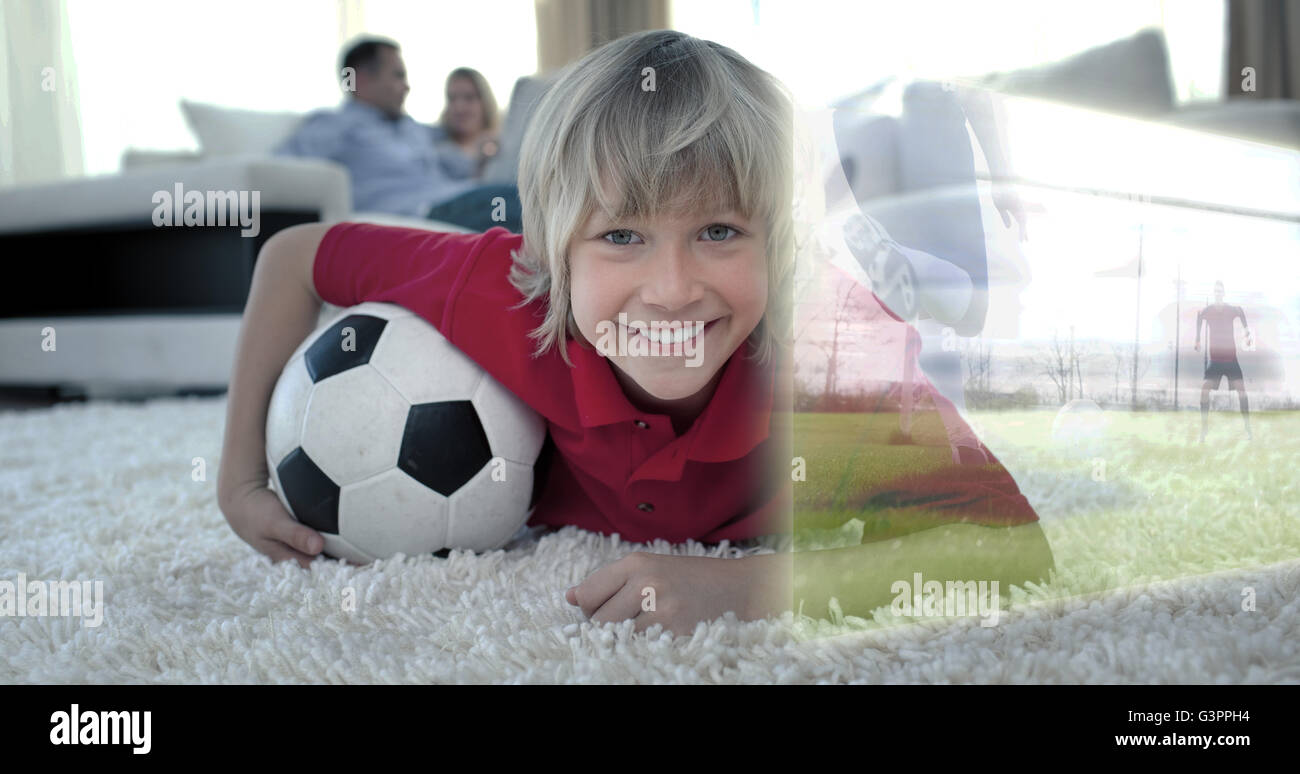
x=137, y=158
x=1271, y=121
x=283, y=184
x=504, y=167
x=224, y=131
x=1129, y=76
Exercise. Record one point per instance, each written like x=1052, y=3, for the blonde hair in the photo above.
x=491, y=113
x=715, y=131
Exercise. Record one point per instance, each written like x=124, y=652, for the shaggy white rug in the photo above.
x=106, y=491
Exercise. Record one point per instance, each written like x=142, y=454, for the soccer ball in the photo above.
x=1080, y=427
x=385, y=438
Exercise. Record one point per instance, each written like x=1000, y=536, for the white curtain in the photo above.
x=567, y=29
x=352, y=20
x=40, y=124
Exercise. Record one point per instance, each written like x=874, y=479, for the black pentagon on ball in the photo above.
x=443, y=445
x=332, y=354
x=312, y=496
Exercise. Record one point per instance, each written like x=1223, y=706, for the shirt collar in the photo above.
x=596, y=391
x=737, y=418
x=740, y=415
x=357, y=106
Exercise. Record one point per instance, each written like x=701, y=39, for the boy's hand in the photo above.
x=259, y=517
x=675, y=591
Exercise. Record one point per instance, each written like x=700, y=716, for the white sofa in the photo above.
x=120, y=330
x=160, y=335
x=95, y=232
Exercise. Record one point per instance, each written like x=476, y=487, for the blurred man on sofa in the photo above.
x=391, y=158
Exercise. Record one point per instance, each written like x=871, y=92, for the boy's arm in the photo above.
x=861, y=577
x=282, y=309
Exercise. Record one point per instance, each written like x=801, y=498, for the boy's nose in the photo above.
x=672, y=284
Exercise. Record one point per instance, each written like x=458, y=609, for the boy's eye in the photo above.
x=715, y=233
x=620, y=236
x=718, y=232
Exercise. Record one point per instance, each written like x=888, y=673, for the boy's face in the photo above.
x=703, y=267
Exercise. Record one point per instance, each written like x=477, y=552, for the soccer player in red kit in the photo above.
x=1218, y=317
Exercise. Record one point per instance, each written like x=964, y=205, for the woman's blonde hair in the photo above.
x=651, y=123
x=491, y=113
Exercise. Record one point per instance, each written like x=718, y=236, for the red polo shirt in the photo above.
x=616, y=469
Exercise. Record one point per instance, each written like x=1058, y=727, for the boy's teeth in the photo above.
x=667, y=335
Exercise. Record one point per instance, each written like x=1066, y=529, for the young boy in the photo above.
x=656, y=185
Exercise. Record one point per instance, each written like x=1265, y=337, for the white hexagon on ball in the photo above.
x=484, y=512
x=392, y=513
x=442, y=372
x=337, y=546
x=354, y=423
x=285, y=414
x=383, y=311
x=514, y=431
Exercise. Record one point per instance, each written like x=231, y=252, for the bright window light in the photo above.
x=136, y=59
x=825, y=50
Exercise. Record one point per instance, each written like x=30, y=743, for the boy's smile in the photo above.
x=682, y=292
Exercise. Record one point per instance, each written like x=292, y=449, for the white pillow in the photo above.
x=1271, y=121
x=224, y=131
x=1129, y=76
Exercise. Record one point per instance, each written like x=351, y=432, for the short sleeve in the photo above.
x=414, y=268
x=460, y=284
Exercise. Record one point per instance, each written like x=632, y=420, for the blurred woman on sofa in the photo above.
x=467, y=132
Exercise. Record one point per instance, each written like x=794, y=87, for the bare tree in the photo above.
x=1081, y=353
x=848, y=306
x=1127, y=361
x=1063, y=361
x=978, y=360
x=1057, y=363
x=1138, y=368
x=1121, y=354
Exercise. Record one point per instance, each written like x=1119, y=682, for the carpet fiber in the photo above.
x=108, y=491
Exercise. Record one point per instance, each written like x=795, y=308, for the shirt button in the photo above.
x=640, y=424
x=647, y=507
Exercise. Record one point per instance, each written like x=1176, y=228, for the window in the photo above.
x=136, y=59
x=826, y=50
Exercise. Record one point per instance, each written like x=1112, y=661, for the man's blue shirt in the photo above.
x=394, y=164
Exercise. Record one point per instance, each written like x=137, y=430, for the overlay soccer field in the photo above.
x=1152, y=505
